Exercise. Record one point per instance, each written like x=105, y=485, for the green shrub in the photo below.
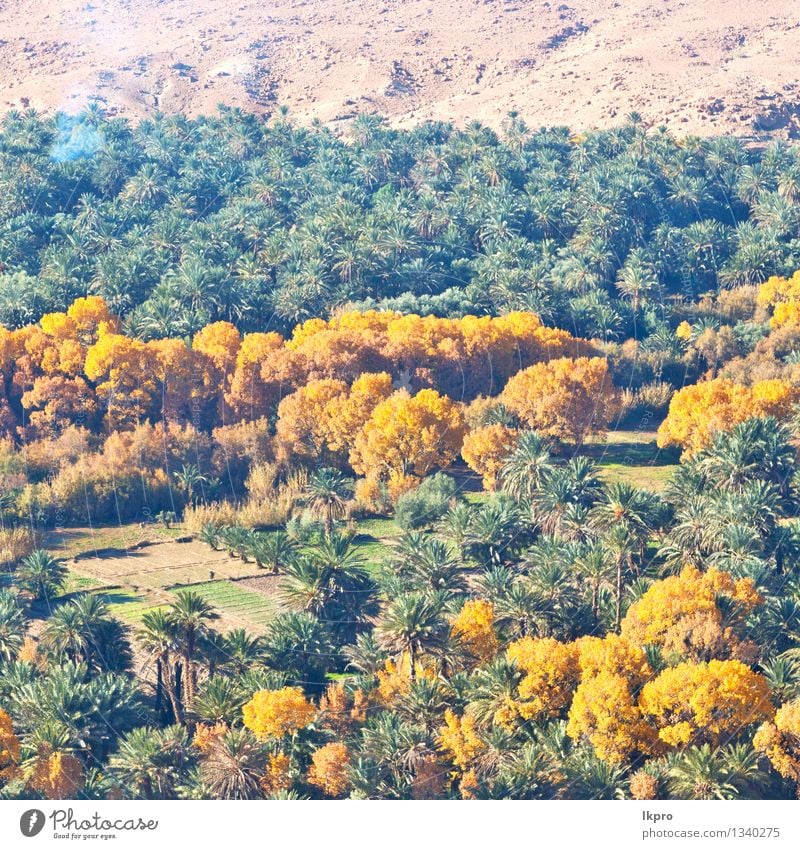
x=427, y=503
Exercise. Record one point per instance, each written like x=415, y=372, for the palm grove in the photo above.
x=275, y=335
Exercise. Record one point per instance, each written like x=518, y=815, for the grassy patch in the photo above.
x=380, y=528
x=653, y=478
x=248, y=606
x=125, y=604
x=76, y=583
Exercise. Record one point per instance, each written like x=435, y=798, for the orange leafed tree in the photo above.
x=604, y=710
x=329, y=769
x=56, y=775
x=275, y=713
x=695, y=615
x=9, y=749
x=565, y=398
x=124, y=373
x=695, y=703
x=262, y=376
x=474, y=626
x=779, y=740
x=485, y=448
x=700, y=411
x=303, y=425
x=409, y=435
x=552, y=672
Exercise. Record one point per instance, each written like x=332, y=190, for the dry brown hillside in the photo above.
x=703, y=66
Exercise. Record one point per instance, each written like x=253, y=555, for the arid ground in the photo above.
x=696, y=67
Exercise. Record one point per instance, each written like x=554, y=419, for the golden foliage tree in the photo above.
x=552, y=672
x=779, y=740
x=409, y=435
x=56, y=775
x=695, y=703
x=276, y=713
x=700, y=411
x=604, y=711
x=564, y=398
x=124, y=373
x=695, y=615
x=474, y=627
x=9, y=749
x=485, y=448
x=329, y=770
x=303, y=427
x=460, y=740
x=782, y=296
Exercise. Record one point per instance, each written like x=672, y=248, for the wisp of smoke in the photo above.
x=75, y=139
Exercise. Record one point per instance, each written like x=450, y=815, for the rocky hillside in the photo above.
x=697, y=67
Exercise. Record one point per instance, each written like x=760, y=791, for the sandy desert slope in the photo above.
x=698, y=67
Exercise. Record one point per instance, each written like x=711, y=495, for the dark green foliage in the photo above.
x=425, y=505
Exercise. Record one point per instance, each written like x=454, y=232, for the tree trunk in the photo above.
x=618, y=617
x=173, y=687
x=159, y=685
x=412, y=654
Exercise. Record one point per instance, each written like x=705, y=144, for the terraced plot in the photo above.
x=239, y=605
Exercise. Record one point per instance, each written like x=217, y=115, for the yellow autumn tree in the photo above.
x=474, y=627
x=565, y=398
x=275, y=713
x=700, y=411
x=613, y=653
x=278, y=774
x=56, y=775
x=552, y=672
x=262, y=376
x=303, y=426
x=409, y=435
x=779, y=740
x=9, y=749
x=329, y=770
x=346, y=414
x=604, y=711
x=124, y=373
x=782, y=296
x=694, y=615
x=485, y=448
x=460, y=740
x=695, y=703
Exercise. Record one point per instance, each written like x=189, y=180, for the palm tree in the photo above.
x=41, y=575
x=274, y=550
x=595, y=566
x=412, y=624
x=210, y=535
x=190, y=477
x=620, y=546
x=190, y=614
x=492, y=688
x=703, y=772
x=327, y=493
x=523, y=469
x=12, y=625
x=330, y=581
x=219, y=699
x=150, y=763
x=241, y=651
x=234, y=765
x=430, y=567
x=159, y=637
